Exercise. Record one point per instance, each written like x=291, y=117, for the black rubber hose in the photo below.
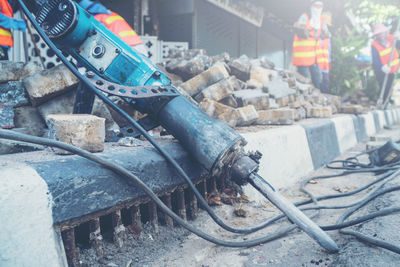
x=365, y=238
x=142, y=131
x=7, y=134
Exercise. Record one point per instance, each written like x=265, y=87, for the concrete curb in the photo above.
x=290, y=153
x=27, y=235
x=325, y=140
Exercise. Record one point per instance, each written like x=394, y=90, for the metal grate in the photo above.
x=112, y=225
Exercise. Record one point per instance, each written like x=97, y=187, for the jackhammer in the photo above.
x=114, y=68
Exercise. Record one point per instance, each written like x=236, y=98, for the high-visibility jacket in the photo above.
x=384, y=54
x=323, y=57
x=5, y=34
x=304, y=50
x=116, y=24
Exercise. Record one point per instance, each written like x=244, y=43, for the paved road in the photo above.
x=297, y=249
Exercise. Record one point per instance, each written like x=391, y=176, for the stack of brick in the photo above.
x=243, y=91
x=30, y=99
x=357, y=103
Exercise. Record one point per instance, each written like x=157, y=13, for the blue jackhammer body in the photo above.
x=216, y=146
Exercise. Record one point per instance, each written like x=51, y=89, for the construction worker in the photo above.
x=381, y=49
x=309, y=29
x=324, y=55
x=115, y=23
x=7, y=23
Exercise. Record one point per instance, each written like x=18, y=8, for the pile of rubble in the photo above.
x=30, y=99
x=243, y=91
x=240, y=92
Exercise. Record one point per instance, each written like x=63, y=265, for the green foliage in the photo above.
x=371, y=12
x=345, y=74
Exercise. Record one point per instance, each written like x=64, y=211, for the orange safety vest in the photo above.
x=305, y=50
x=323, y=55
x=5, y=34
x=116, y=24
x=384, y=54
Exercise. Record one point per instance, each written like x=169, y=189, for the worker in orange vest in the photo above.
x=115, y=23
x=381, y=49
x=8, y=23
x=324, y=56
x=309, y=29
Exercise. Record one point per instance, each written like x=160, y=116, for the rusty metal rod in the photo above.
x=168, y=220
x=119, y=234
x=95, y=237
x=71, y=252
x=181, y=203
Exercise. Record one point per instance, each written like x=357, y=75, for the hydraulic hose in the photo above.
x=7, y=134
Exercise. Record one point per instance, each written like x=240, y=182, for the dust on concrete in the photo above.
x=178, y=248
x=141, y=251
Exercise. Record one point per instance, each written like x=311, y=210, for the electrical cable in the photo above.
x=7, y=134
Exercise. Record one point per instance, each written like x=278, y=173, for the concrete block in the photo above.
x=83, y=131
x=261, y=75
x=6, y=116
x=304, y=88
x=301, y=79
x=369, y=123
x=241, y=68
x=237, y=84
x=205, y=79
x=217, y=91
x=382, y=119
x=27, y=235
x=253, y=84
x=266, y=63
x=14, y=94
x=230, y=118
x=100, y=110
x=247, y=115
x=352, y=109
x=214, y=109
x=322, y=140
x=321, y=112
x=276, y=117
x=186, y=69
x=345, y=132
x=224, y=57
x=257, y=98
x=29, y=118
x=63, y=104
x=273, y=104
x=230, y=101
x=283, y=101
x=301, y=114
x=47, y=84
x=15, y=71
x=279, y=89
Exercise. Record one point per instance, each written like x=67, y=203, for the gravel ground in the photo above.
x=180, y=248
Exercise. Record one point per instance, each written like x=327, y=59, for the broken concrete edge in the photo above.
x=290, y=153
x=27, y=235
